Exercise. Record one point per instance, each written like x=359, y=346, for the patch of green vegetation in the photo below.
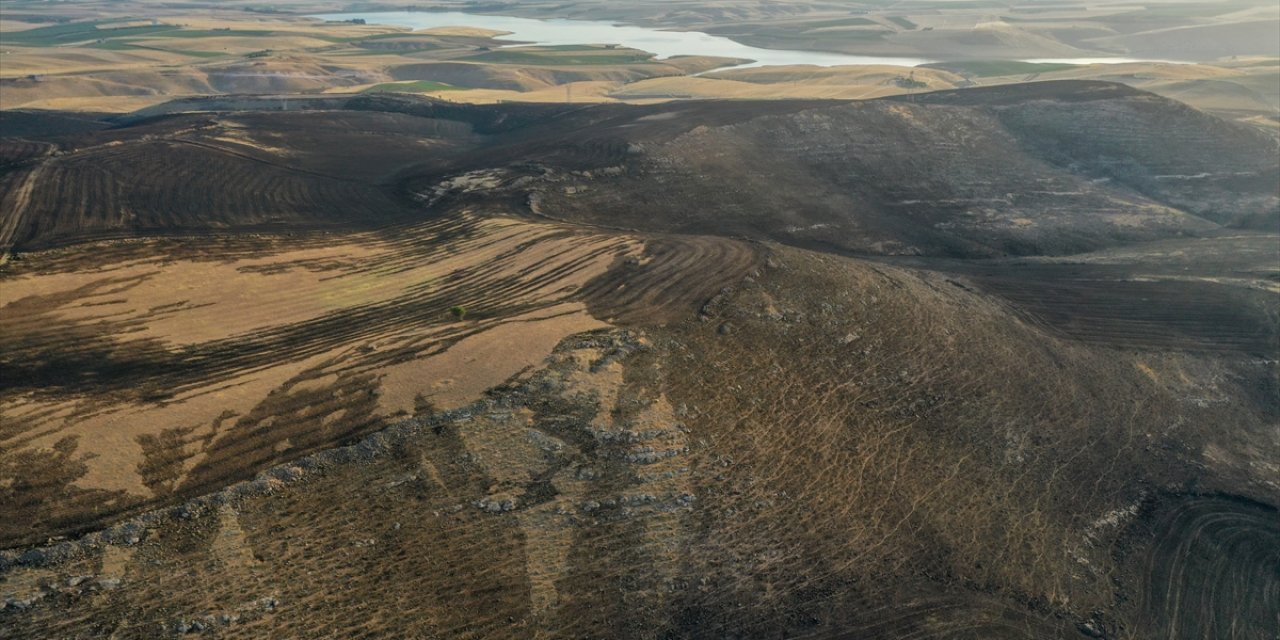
x=398, y=45
x=569, y=47
x=1188, y=10
x=843, y=22
x=416, y=86
x=394, y=35
x=118, y=38
x=115, y=44
x=1047, y=8
x=856, y=34
x=785, y=36
x=909, y=82
x=125, y=44
x=992, y=68
x=219, y=33
x=35, y=18
x=903, y=22
x=352, y=53
x=1171, y=14
x=73, y=32
x=249, y=33
x=383, y=36
x=544, y=57
x=947, y=4
x=459, y=312
x=1064, y=21
x=192, y=52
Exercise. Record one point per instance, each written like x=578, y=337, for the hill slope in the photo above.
x=381, y=365
x=836, y=447
x=1038, y=168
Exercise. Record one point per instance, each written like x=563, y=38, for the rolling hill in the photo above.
x=945, y=173
x=986, y=363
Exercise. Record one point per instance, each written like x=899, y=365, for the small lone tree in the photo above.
x=458, y=311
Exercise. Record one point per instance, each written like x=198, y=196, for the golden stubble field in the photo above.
x=346, y=333
x=227, y=50
x=142, y=370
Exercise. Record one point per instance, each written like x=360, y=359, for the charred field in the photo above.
x=987, y=363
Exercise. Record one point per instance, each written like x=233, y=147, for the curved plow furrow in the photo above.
x=212, y=362
x=151, y=187
x=1194, y=316
x=1212, y=570
x=673, y=276
x=16, y=151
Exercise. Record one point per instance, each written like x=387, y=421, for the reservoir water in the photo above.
x=664, y=43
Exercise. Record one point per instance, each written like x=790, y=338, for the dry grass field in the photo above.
x=102, y=57
x=152, y=306
x=176, y=387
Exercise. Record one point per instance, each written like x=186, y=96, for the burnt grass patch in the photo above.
x=790, y=443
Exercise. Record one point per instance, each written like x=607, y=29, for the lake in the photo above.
x=664, y=43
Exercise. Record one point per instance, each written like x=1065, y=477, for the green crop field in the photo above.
x=843, y=22
x=125, y=44
x=992, y=68
x=63, y=34
x=222, y=33
x=557, y=57
x=902, y=22
x=417, y=86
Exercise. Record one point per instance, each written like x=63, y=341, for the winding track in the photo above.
x=15, y=196
x=1212, y=571
x=675, y=275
